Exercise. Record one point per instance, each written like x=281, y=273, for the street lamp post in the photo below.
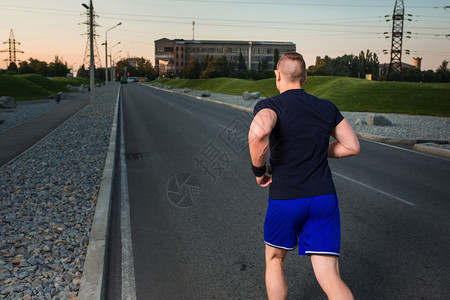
x=106, y=51
x=114, y=59
x=110, y=60
x=250, y=56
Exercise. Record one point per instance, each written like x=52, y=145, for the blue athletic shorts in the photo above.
x=312, y=223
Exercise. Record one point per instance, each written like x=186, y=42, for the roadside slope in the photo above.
x=349, y=94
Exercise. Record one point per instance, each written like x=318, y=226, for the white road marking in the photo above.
x=374, y=189
x=128, y=276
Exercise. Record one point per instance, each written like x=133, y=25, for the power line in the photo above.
x=297, y=4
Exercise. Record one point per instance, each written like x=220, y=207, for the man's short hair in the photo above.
x=292, y=66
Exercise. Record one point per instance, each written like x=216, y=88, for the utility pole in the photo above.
x=395, y=64
x=91, y=40
x=193, y=30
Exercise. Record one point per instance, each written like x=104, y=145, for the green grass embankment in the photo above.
x=33, y=86
x=349, y=94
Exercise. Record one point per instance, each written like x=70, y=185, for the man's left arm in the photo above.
x=258, y=140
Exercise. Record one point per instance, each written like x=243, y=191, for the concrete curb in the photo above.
x=385, y=140
x=441, y=152
x=93, y=281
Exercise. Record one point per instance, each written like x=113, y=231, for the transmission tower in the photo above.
x=12, y=48
x=87, y=53
x=395, y=64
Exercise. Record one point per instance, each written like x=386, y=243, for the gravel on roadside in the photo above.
x=414, y=127
x=47, y=203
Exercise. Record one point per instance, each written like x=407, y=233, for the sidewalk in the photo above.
x=17, y=140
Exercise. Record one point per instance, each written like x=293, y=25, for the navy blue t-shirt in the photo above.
x=299, y=144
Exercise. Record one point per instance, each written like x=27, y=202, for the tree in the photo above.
x=150, y=70
x=12, y=67
x=264, y=64
x=25, y=68
x=122, y=65
x=82, y=72
x=99, y=73
x=242, y=66
x=218, y=67
x=205, y=62
x=347, y=65
x=193, y=68
x=443, y=73
x=39, y=67
x=58, y=68
x=369, y=63
x=144, y=68
x=276, y=58
x=443, y=66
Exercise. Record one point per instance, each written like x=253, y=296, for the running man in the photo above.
x=303, y=207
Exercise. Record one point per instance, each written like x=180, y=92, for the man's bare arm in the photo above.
x=258, y=135
x=346, y=143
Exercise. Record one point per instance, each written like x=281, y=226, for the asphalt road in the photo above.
x=197, y=214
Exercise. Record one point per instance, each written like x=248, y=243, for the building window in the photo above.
x=168, y=49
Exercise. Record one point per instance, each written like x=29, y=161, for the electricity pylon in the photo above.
x=12, y=48
x=395, y=64
x=87, y=53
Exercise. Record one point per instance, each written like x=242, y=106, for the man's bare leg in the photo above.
x=275, y=281
x=326, y=269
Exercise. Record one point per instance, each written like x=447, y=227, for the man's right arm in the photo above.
x=346, y=143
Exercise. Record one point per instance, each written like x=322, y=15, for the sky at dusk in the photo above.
x=46, y=28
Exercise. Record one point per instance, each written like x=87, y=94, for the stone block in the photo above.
x=7, y=102
x=378, y=121
x=360, y=122
x=206, y=94
x=250, y=96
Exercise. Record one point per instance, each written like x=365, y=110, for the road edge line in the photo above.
x=93, y=280
x=128, y=290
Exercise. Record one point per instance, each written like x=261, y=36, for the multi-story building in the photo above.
x=171, y=56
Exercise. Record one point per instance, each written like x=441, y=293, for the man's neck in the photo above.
x=289, y=87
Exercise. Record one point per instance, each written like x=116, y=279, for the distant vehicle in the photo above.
x=132, y=79
x=123, y=80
